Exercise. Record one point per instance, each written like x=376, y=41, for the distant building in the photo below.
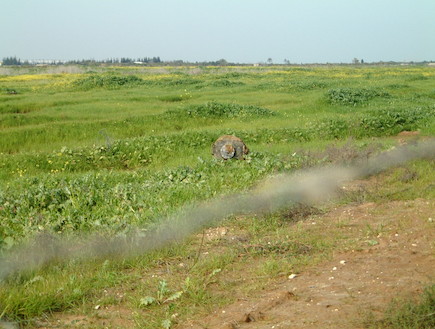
x=44, y=61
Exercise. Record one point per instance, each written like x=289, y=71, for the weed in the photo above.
x=416, y=77
x=108, y=81
x=409, y=175
x=164, y=295
x=394, y=86
x=273, y=267
x=407, y=314
x=220, y=110
x=22, y=108
x=171, y=98
x=225, y=83
x=79, y=156
x=383, y=122
x=353, y=97
x=182, y=82
x=298, y=212
x=389, y=122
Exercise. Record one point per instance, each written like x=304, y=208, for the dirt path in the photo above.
x=398, y=261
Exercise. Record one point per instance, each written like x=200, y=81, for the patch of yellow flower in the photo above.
x=20, y=172
x=27, y=77
x=156, y=77
x=35, y=77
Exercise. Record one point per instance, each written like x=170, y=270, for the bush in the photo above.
x=225, y=83
x=108, y=81
x=354, y=97
x=334, y=128
x=181, y=82
x=375, y=123
x=221, y=110
x=389, y=122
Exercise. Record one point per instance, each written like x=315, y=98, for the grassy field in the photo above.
x=116, y=148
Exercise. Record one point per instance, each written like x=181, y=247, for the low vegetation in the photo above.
x=109, y=151
x=407, y=313
x=354, y=97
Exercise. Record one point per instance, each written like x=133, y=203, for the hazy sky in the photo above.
x=244, y=31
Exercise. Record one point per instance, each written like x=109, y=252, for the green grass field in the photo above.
x=120, y=147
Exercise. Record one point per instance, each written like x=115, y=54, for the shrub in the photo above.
x=182, y=82
x=333, y=128
x=354, y=97
x=225, y=83
x=375, y=123
x=171, y=98
x=220, y=110
x=108, y=81
x=391, y=122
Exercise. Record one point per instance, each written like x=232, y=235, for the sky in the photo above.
x=239, y=31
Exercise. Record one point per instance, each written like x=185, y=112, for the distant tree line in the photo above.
x=120, y=61
x=123, y=60
x=150, y=61
x=11, y=61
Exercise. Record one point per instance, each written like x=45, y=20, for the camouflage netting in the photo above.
x=229, y=147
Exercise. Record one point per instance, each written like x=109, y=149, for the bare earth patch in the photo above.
x=397, y=261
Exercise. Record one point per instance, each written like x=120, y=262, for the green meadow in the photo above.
x=111, y=149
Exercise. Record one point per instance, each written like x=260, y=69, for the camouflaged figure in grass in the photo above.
x=229, y=147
